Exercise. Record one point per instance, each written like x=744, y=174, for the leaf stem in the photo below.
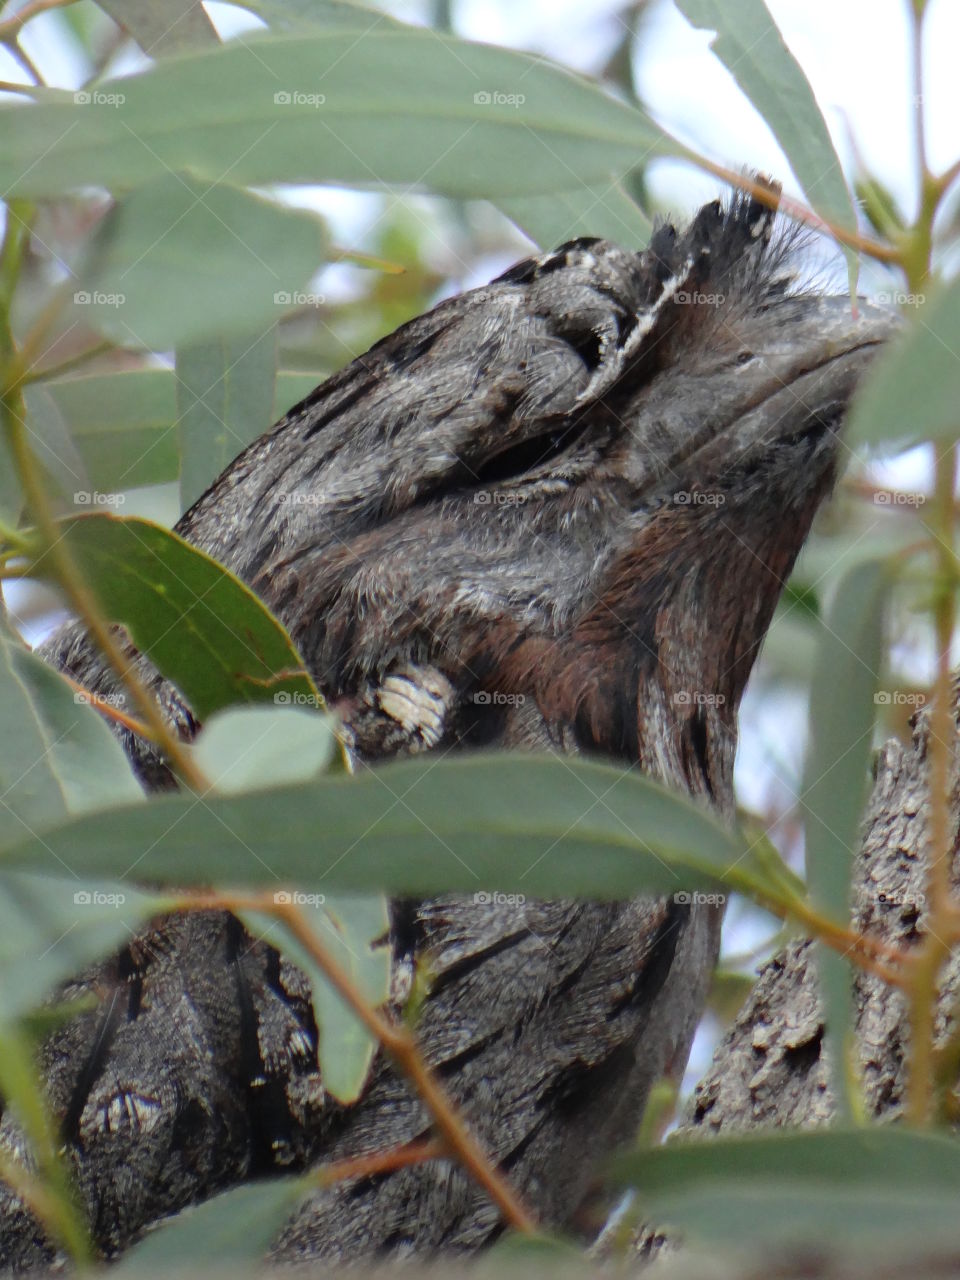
x=395, y=1039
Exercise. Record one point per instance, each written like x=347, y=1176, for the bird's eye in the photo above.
x=745, y=357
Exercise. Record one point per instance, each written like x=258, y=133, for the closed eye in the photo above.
x=528, y=455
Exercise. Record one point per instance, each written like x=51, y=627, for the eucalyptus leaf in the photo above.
x=53, y=926
x=880, y=1190
x=202, y=627
x=601, y=210
x=354, y=929
x=912, y=391
x=225, y=396
x=171, y=27
x=229, y=1229
x=509, y=822
x=247, y=748
x=835, y=782
x=124, y=424
x=749, y=44
x=362, y=107
x=181, y=260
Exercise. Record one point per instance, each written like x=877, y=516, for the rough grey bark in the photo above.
x=556, y=512
x=771, y=1068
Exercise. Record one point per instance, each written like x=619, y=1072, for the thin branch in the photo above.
x=799, y=212
x=68, y=365
x=410, y=1153
x=11, y=28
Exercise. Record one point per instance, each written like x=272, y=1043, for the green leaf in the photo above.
x=181, y=259
x=602, y=210
x=225, y=396
x=123, y=424
x=234, y=1227
x=751, y=47
x=173, y=27
x=912, y=392
x=348, y=926
x=249, y=748
x=23, y=1093
x=328, y=15
x=391, y=105
x=879, y=1189
x=201, y=626
x=51, y=443
x=120, y=424
x=836, y=777
x=52, y=927
x=537, y=825
x=841, y=727
x=83, y=758
x=56, y=755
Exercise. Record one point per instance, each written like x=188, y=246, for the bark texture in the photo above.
x=771, y=1068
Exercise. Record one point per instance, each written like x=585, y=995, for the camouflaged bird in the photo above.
x=554, y=512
